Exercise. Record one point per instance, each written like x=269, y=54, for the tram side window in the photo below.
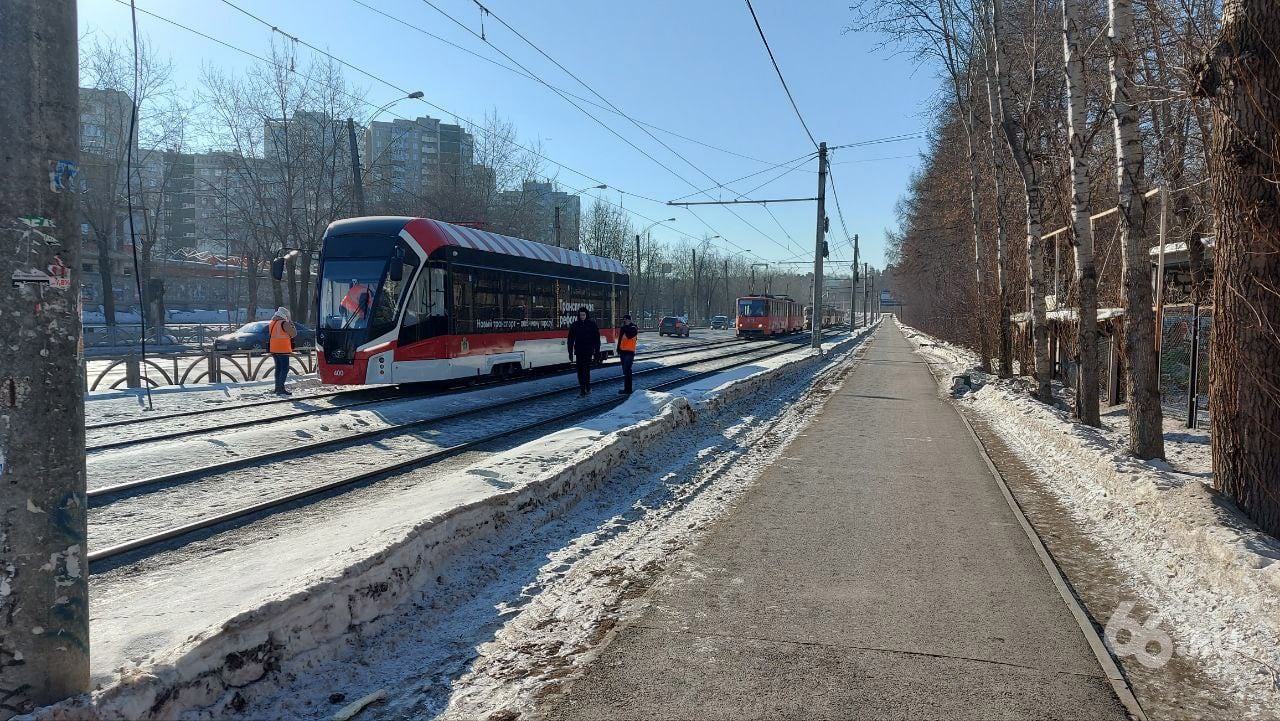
x=388, y=303
x=542, y=302
x=486, y=297
x=424, y=315
x=517, y=305
x=462, y=281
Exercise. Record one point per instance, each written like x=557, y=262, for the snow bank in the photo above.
x=1209, y=573
x=217, y=672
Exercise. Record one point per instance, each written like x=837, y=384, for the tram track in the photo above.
x=381, y=395
x=509, y=427
x=388, y=430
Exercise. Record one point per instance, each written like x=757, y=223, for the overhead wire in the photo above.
x=439, y=108
x=571, y=94
x=486, y=11
x=781, y=79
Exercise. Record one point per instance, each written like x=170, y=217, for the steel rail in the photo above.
x=432, y=456
x=234, y=463
x=384, y=394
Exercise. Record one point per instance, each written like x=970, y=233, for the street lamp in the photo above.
x=355, y=149
x=601, y=186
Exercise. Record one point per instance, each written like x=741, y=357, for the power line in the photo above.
x=527, y=76
x=438, y=108
x=917, y=135
x=602, y=124
x=781, y=79
x=804, y=157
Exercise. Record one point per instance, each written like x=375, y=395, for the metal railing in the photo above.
x=180, y=369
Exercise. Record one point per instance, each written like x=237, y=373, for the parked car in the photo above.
x=720, y=322
x=671, y=325
x=255, y=336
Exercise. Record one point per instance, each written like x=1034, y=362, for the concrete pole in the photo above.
x=358, y=182
x=816, y=323
x=44, y=610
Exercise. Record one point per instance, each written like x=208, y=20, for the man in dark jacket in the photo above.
x=627, y=351
x=584, y=344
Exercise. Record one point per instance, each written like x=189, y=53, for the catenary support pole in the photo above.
x=358, y=182
x=820, y=235
x=44, y=610
x=639, y=280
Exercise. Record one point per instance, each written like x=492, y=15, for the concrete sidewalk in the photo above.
x=874, y=572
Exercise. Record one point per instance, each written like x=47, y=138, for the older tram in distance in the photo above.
x=405, y=300
x=761, y=316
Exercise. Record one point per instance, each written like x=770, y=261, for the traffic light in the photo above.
x=826, y=249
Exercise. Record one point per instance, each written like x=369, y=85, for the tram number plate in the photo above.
x=339, y=373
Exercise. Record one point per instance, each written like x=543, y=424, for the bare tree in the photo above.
x=283, y=125
x=1020, y=136
x=1241, y=77
x=1081, y=226
x=1142, y=364
x=107, y=68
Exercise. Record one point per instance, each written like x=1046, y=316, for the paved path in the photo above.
x=876, y=571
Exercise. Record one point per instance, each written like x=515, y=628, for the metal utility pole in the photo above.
x=355, y=166
x=727, y=294
x=866, y=293
x=44, y=609
x=853, y=287
x=695, y=283
x=819, y=247
x=558, y=225
x=639, y=278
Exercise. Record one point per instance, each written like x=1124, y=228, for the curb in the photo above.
x=1119, y=682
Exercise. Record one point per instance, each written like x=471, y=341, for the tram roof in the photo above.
x=433, y=234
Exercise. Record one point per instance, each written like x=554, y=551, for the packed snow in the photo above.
x=226, y=621
x=1211, y=578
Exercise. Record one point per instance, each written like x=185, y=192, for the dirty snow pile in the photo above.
x=1211, y=575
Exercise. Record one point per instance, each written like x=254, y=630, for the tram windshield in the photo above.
x=753, y=307
x=348, y=291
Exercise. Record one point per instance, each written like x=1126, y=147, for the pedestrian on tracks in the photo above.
x=282, y=331
x=627, y=351
x=584, y=344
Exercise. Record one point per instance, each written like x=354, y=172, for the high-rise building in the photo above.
x=410, y=159
x=531, y=212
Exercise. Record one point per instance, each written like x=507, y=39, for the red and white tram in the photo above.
x=766, y=315
x=406, y=300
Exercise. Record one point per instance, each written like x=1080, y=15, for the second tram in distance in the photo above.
x=405, y=300
x=761, y=316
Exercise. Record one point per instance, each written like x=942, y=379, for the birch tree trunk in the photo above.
x=1016, y=137
x=1241, y=76
x=1142, y=364
x=1087, y=391
x=965, y=100
x=975, y=217
x=1002, y=236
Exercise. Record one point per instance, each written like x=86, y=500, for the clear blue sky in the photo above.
x=696, y=67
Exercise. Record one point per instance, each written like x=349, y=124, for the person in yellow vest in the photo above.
x=282, y=331
x=627, y=351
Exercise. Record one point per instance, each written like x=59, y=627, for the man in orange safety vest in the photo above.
x=627, y=351
x=282, y=331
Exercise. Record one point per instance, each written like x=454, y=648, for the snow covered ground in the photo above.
x=259, y=619
x=1198, y=573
